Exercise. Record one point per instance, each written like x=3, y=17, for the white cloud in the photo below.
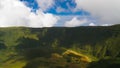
x=106, y=24
x=15, y=13
x=45, y=4
x=60, y=9
x=107, y=11
x=92, y=24
x=75, y=22
x=69, y=6
x=43, y=20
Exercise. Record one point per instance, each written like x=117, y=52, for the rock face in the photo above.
x=77, y=57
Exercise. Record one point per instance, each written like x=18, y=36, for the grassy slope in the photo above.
x=25, y=40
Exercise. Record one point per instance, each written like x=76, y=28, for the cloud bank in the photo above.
x=106, y=11
x=16, y=13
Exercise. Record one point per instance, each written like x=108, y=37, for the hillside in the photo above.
x=22, y=47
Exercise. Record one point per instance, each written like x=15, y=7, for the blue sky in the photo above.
x=58, y=3
x=67, y=14
x=61, y=13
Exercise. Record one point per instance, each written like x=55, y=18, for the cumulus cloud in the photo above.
x=43, y=20
x=16, y=13
x=92, y=24
x=45, y=4
x=107, y=11
x=75, y=22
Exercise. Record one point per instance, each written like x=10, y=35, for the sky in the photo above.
x=59, y=13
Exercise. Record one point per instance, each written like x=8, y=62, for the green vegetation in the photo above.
x=60, y=47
